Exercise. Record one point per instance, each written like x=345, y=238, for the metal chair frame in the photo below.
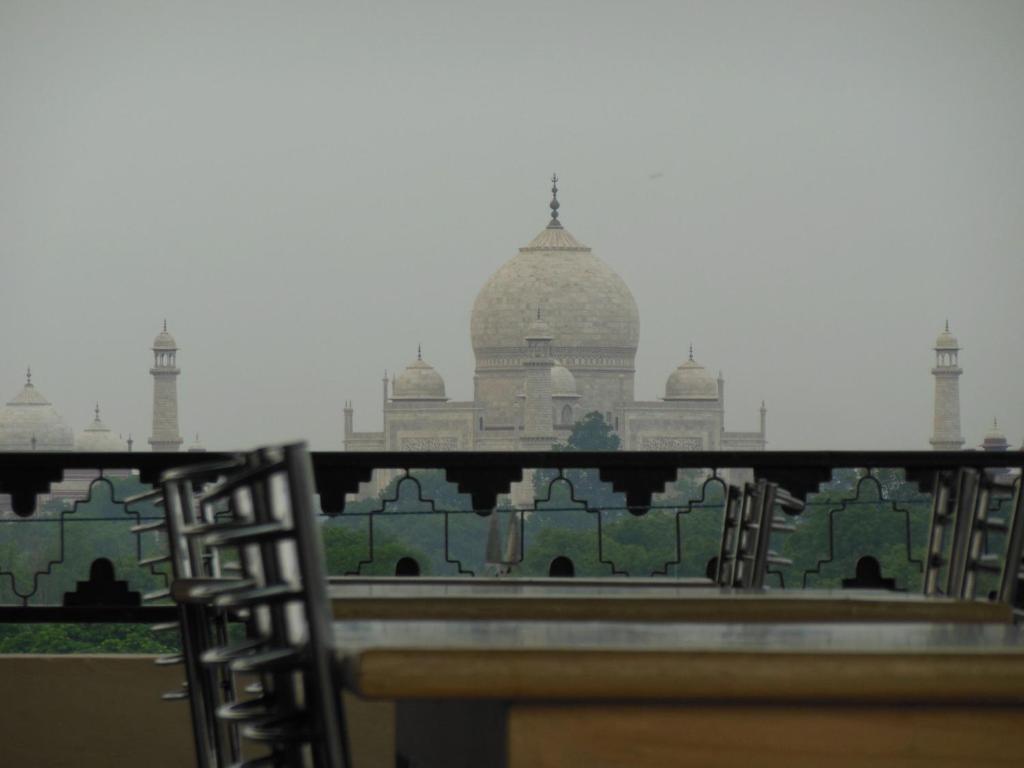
x=280, y=595
x=202, y=625
x=960, y=522
x=1013, y=569
x=940, y=520
x=747, y=524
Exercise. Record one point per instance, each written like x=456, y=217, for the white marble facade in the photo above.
x=554, y=331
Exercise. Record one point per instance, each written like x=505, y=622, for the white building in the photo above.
x=555, y=333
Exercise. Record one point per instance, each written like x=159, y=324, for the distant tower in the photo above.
x=348, y=420
x=165, y=373
x=946, y=431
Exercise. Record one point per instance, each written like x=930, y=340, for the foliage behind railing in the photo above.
x=614, y=514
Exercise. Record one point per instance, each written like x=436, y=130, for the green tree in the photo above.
x=862, y=516
x=346, y=549
x=85, y=638
x=592, y=433
x=409, y=519
x=676, y=542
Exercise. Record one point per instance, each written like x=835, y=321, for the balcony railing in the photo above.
x=68, y=552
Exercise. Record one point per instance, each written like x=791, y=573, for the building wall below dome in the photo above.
x=498, y=393
x=603, y=391
x=743, y=441
x=573, y=358
x=672, y=426
x=426, y=426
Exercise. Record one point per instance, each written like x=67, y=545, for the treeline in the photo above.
x=424, y=518
x=857, y=514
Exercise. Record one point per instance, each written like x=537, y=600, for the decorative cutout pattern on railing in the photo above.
x=35, y=552
x=618, y=514
x=868, y=497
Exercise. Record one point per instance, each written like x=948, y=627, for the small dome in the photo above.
x=995, y=440
x=419, y=381
x=97, y=438
x=691, y=381
x=947, y=340
x=994, y=432
x=563, y=383
x=164, y=340
x=30, y=422
x=196, y=446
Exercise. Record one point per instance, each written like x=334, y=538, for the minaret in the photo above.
x=946, y=429
x=538, y=415
x=165, y=373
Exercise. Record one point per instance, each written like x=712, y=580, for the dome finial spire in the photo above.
x=947, y=325
x=691, y=350
x=165, y=325
x=419, y=351
x=554, y=223
x=28, y=376
x=96, y=410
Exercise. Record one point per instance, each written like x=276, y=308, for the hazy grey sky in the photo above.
x=804, y=190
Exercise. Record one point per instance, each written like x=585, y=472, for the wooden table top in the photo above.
x=578, y=660
x=514, y=584
x=646, y=600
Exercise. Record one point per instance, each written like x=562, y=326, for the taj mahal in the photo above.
x=555, y=333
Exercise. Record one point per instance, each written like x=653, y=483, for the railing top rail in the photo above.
x=156, y=462
x=682, y=459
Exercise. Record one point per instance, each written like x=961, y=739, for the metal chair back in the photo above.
x=1012, y=574
x=281, y=599
x=748, y=522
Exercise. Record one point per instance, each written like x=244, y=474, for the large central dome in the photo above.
x=591, y=314
x=588, y=307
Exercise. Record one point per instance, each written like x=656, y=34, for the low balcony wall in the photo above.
x=81, y=711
